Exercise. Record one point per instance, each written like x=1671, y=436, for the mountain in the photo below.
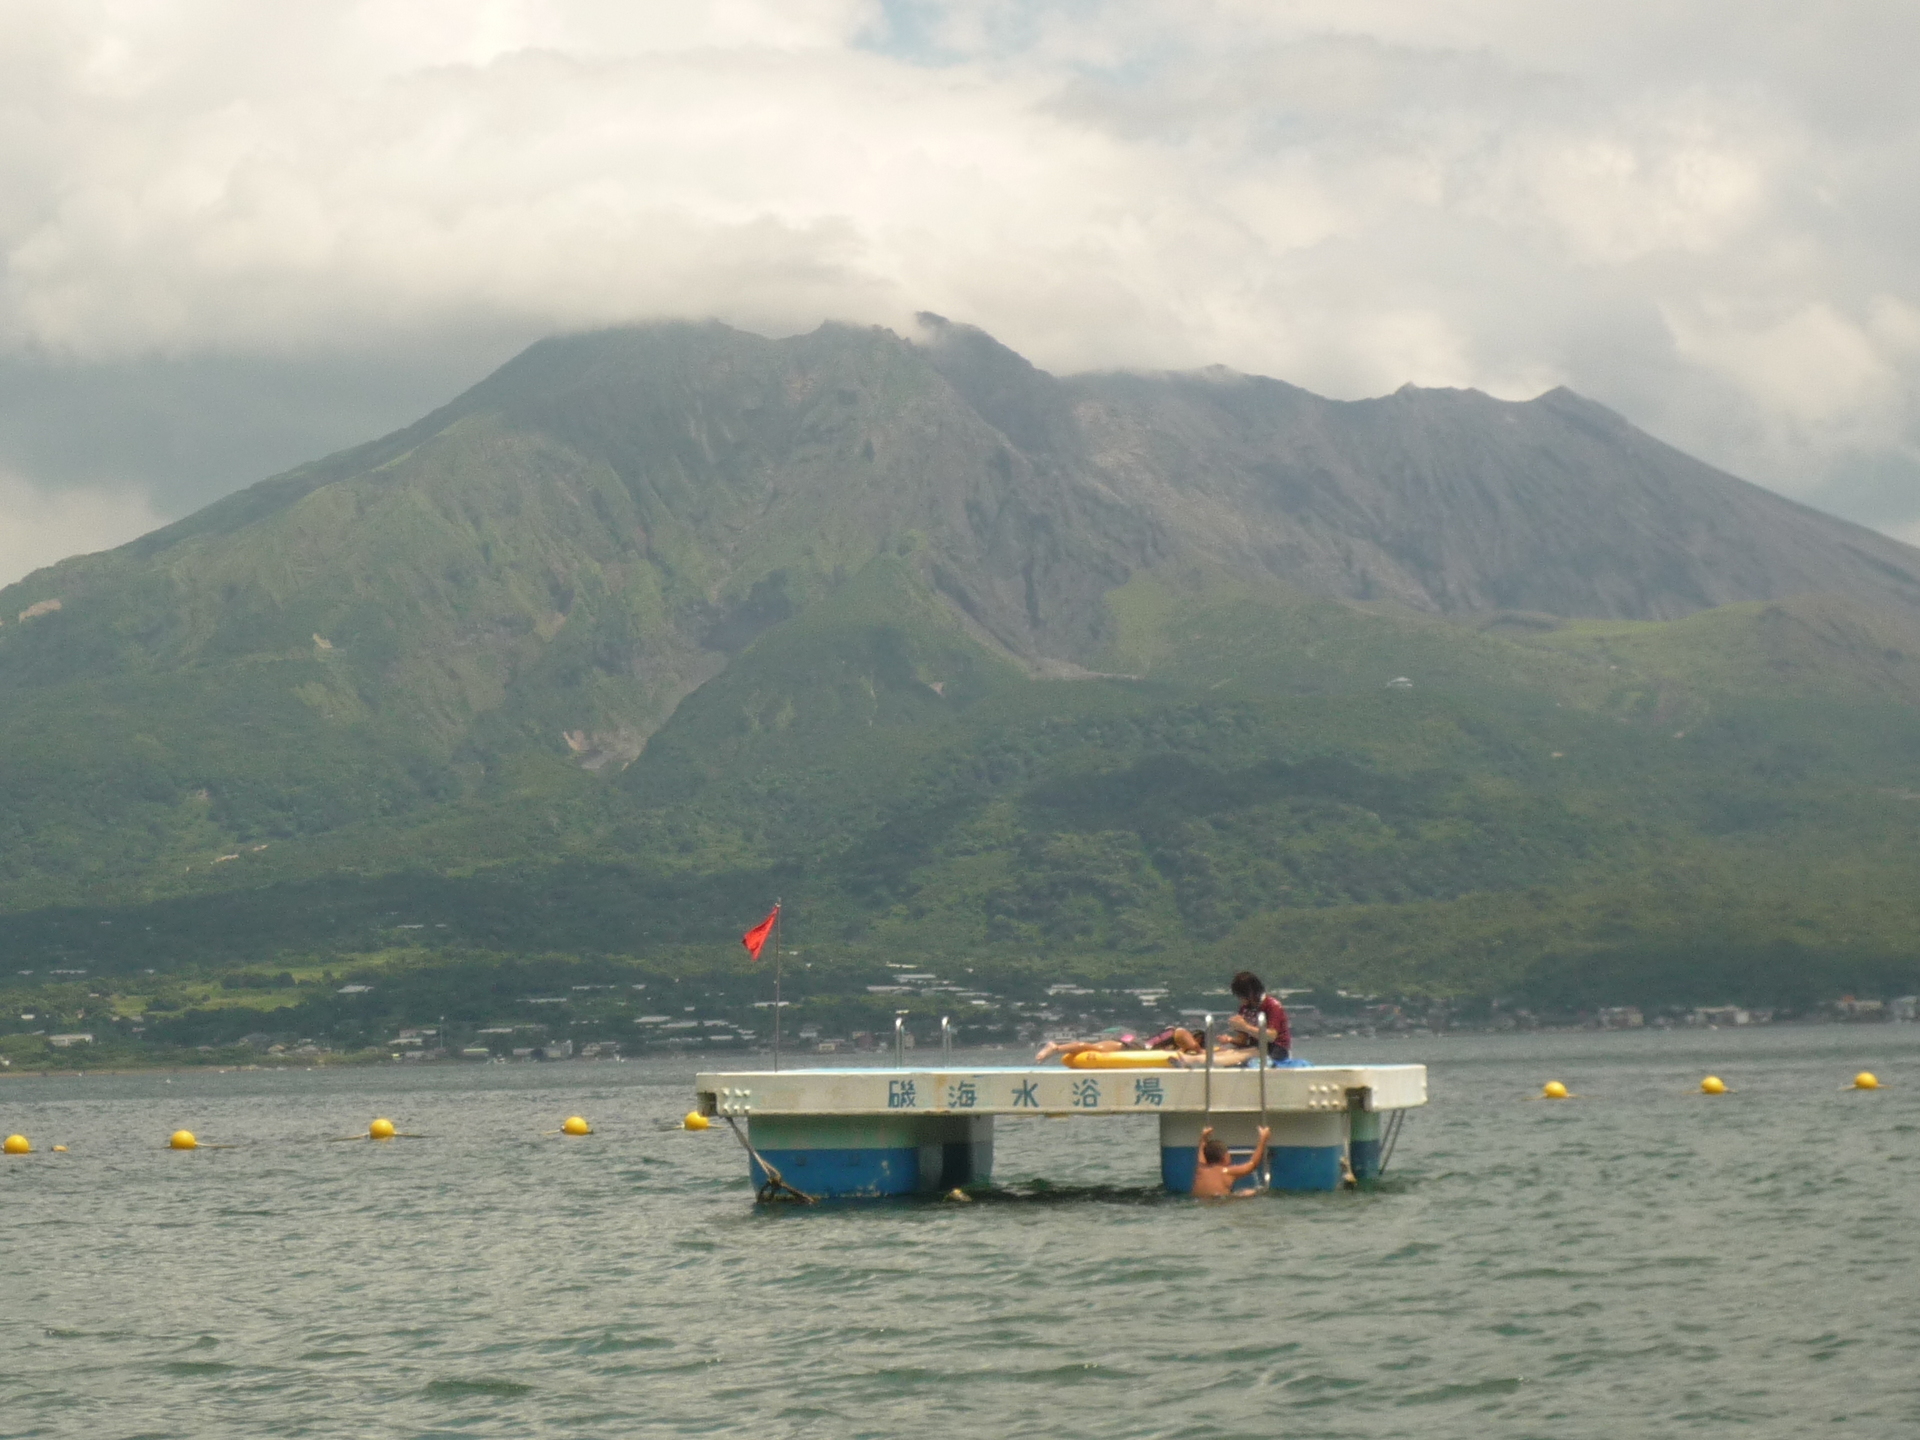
x=965, y=658
x=738, y=476
x=1445, y=501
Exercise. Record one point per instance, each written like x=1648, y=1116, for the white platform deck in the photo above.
x=1056, y=1090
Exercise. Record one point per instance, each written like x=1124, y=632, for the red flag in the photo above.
x=756, y=938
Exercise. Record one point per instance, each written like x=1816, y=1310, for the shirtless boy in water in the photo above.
x=1213, y=1177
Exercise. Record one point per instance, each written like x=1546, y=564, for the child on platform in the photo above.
x=1181, y=1042
x=1243, y=1026
x=1108, y=1042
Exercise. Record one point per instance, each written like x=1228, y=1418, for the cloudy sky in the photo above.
x=234, y=236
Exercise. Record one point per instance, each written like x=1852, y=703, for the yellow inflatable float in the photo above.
x=1119, y=1060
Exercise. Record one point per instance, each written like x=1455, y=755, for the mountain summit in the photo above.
x=729, y=477
x=1445, y=501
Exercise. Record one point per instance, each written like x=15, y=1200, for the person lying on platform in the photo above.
x=1173, y=1038
x=1213, y=1176
x=1109, y=1040
x=1243, y=1026
x=1179, y=1040
x=1225, y=1057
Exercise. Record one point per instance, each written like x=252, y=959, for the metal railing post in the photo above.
x=1266, y=1158
x=1208, y=1090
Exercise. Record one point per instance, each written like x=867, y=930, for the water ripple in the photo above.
x=1638, y=1264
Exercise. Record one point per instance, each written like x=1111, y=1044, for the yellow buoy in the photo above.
x=17, y=1145
x=381, y=1130
x=1866, y=1080
x=575, y=1125
x=1553, y=1090
x=695, y=1121
x=1713, y=1085
x=183, y=1140
x=59, y=1149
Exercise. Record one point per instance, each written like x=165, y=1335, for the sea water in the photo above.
x=1641, y=1261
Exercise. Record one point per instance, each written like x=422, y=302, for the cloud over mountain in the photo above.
x=39, y=524
x=1702, y=218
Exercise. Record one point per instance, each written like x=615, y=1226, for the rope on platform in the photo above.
x=1393, y=1138
x=776, y=1187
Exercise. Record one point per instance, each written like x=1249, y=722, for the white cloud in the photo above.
x=1700, y=214
x=1812, y=367
x=37, y=527
x=1629, y=187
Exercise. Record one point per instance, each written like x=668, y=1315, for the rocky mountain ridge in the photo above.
x=654, y=621
x=1026, y=497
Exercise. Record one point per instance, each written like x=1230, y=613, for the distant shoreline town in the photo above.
x=609, y=1021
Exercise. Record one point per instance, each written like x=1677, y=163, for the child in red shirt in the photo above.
x=1243, y=1026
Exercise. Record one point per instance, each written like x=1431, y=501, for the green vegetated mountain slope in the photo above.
x=1089, y=675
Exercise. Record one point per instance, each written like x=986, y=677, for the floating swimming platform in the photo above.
x=844, y=1132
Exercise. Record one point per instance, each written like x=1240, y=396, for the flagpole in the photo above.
x=776, y=984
